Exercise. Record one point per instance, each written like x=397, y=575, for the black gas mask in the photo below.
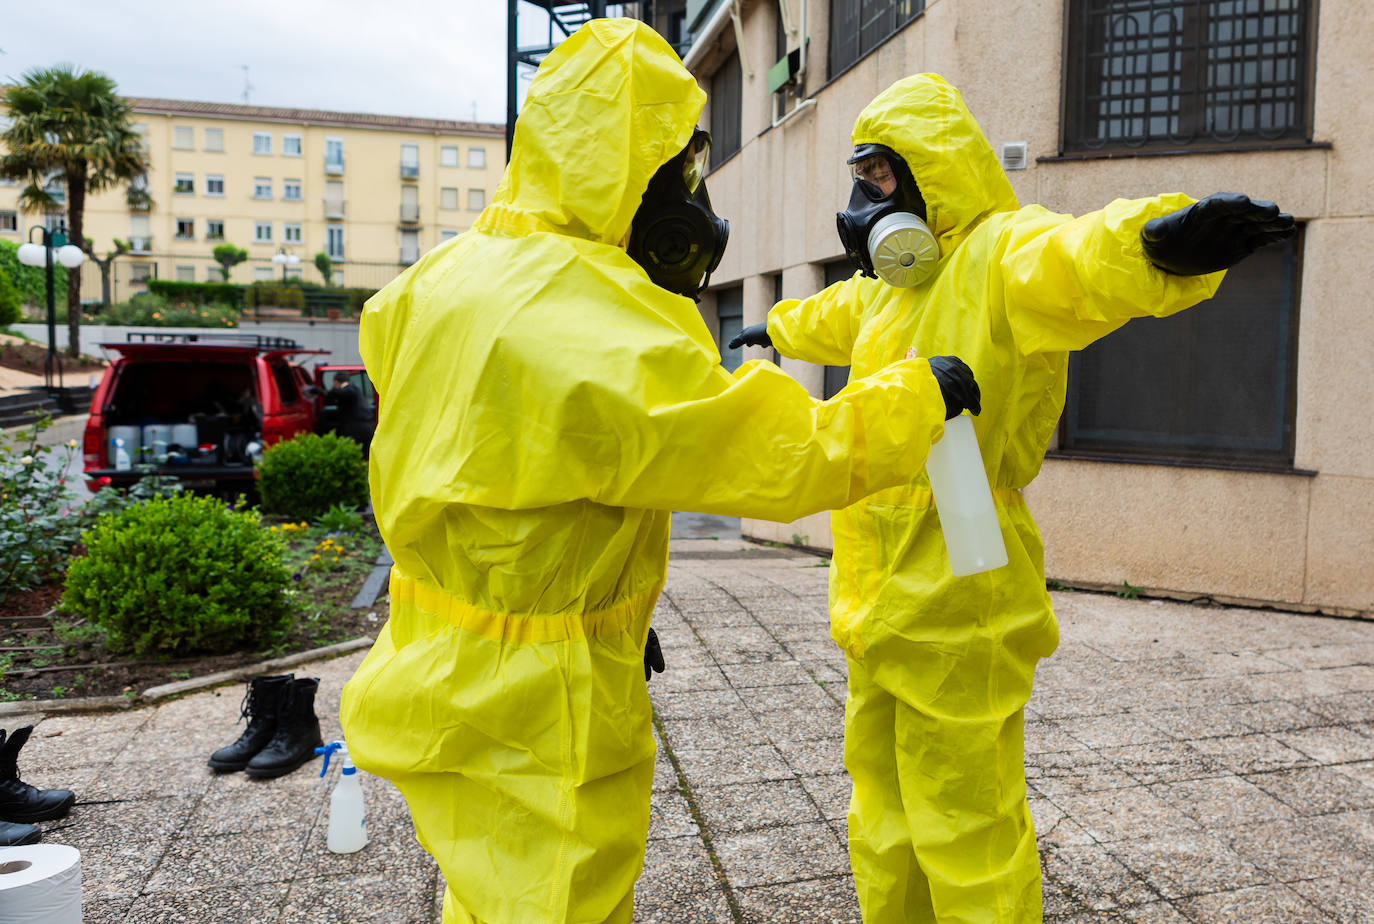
x=675, y=236
x=884, y=230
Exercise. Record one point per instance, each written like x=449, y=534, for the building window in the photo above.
x=262, y=142
x=140, y=272
x=334, y=242
x=212, y=274
x=183, y=138
x=140, y=235
x=291, y=145
x=333, y=155
x=214, y=184
x=214, y=229
x=336, y=277
x=264, y=274
x=477, y=158
x=291, y=190
x=214, y=139
x=448, y=197
x=730, y=321
x=262, y=187
x=1169, y=73
x=446, y=233
x=184, y=184
x=477, y=200
x=410, y=247
x=836, y=377
x=725, y=98
x=186, y=229
x=9, y=220
x=291, y=233
x=410, y=161
x=448, y=155
x=1133, y=394
x=859, y=26
x=186, y=273
x=262, y=232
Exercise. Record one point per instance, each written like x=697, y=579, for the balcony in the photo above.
x=139, y=200
x=410, y=171
x=334, y=166
x=140, y=245
x=336, y=254
x=333, y=208
x=410, y=213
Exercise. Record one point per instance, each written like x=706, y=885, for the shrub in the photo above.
x=198, y=293
x=304, y=477
x=151, y=309
x=37, y=528
x=276, y=295
x=10, y=312
x=31, y=281
x=180, y=575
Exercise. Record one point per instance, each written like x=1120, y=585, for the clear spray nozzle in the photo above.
x=328, y=751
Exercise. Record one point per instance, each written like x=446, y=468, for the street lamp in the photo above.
x=285, y=259
x=54, y=246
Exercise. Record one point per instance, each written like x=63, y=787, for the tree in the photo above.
x=106, y=264
x=325, y=266
x=72, y=126
x=228, y=256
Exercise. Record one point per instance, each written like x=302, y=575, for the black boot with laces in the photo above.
x=260, y=704
x=298, y=732
x=20, y=802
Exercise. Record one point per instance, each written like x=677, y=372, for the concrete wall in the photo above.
x=1300, y=540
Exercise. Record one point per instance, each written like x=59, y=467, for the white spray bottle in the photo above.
x=347, y=814
x=959, y=482
x=122, y=461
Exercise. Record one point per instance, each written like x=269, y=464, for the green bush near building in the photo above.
x=302, y=478
x=31, y=281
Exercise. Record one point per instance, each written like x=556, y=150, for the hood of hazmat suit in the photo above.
x=1016, y=290
x=544, y=407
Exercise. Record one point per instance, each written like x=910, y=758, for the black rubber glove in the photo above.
x=957, y=385
x=653, y=656
x=1213, y=234
x=753, y=335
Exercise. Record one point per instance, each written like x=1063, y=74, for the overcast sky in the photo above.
x=430, y=58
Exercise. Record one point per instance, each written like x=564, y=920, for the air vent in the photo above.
x=1014, y=155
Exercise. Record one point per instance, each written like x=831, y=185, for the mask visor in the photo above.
x=877, y=173
x=695, y=155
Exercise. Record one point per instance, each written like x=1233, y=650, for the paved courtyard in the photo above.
x=1186, y=764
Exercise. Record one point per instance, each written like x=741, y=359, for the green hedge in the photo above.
x=293, y=295
x=198, y=293
x=30, y=281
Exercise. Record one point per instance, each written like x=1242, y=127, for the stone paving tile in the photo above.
x=696, y=704
x=1222, y=801
x=236, y=803
x=1272, y=904
x=752, y=764
x=150, y=779
x=714, y=732
x=1069, y=772
x=828, y=674
x=391, y=844
x=1298, y=849
x=782, y=854
x=751, y=645
x=683, y=651
x=209, y=906
x=375, y=896
x=670, y=815
x=820, y=649
x=89, y=827
x=103, y=910
x=1124, y=814
x=698, y=908
x=1252, y=753
x=818, y=631
x=1186, y=864
x=220, y=861
x=1362, y=771
x=1278, y=715
x=679, y=679
x=1045, y=736
x=1324, y=655
x=1117, y=730
x=1349, y=901
x=1054, y=827
x=1314, y=790
x=831, y=792
x=1152, y=913
x=674, y=867
x=1346, y=707
x=122, y=868
x=665, y=777
x=1329, y=745
x=1211, y=722
x=812, y=756
x=1163, y=761
x=1085, y=877
x=768, y=675
x=817, y=901
x=750, y=806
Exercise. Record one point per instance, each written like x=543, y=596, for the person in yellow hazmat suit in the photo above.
x=548, y=396
x=940, y=667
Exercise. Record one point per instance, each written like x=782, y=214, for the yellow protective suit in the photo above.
x=940, y=667
x=544, y=407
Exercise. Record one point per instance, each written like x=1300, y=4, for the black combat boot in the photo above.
x=259, y=707
x=19, y=801
x=297, y=735
x=15, y=835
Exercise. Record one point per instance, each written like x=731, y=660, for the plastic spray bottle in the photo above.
x=122, y=461
x=968, y=519
x=347, y=814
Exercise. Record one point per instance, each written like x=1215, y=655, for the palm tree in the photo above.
x=69, y=126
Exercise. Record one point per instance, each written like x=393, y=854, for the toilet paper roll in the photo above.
x=40, y=884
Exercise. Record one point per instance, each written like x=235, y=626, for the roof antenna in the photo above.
x=247, y=87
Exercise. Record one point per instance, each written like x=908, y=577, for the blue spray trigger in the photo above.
x=328, y=751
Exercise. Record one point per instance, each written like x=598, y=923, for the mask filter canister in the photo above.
x=903, y=250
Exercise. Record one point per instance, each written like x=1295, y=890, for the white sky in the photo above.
x=429, y=58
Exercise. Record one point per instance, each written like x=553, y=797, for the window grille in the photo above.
x=726, y=99
x=859, y=26
x=1169, y=73
x=1215, y=383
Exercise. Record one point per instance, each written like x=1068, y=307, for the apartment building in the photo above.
x=371, y=191
x=1218, y=453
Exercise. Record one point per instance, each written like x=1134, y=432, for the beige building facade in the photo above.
x=371, y=191
x=1226, y=453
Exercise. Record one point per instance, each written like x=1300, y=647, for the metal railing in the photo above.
x=334, y=167
x=410, y=171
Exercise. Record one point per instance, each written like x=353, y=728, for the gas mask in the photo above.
x=884, y=230
x=675, y=236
